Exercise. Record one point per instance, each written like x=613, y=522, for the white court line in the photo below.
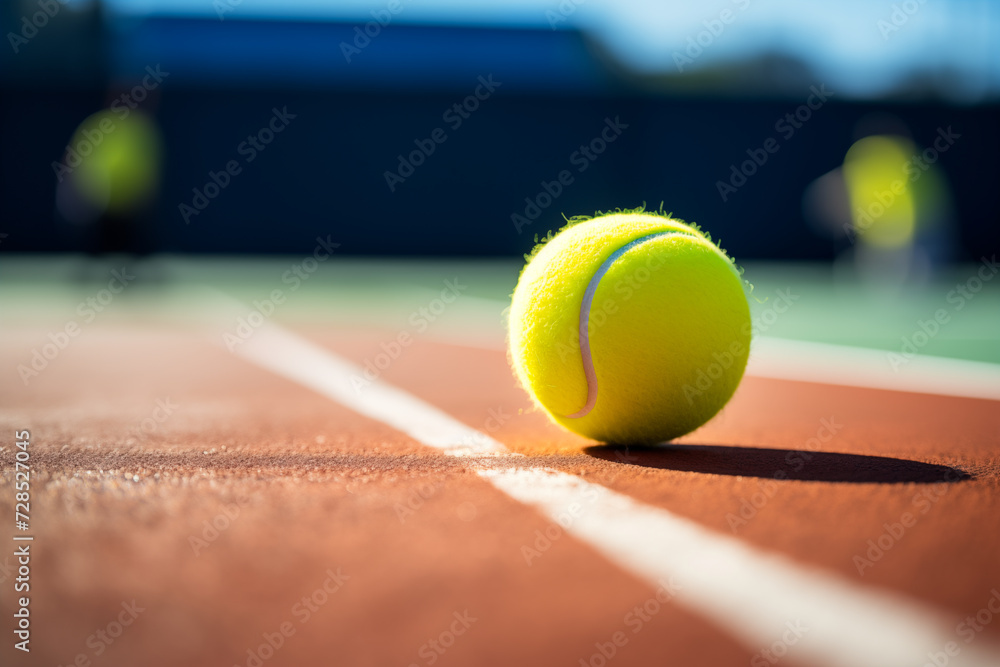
x=827, y=363
x=784, y=359
x=295, y=358
x=749, y=592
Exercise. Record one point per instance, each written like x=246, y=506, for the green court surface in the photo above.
x=795, y=301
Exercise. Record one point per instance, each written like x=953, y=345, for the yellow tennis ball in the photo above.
x=630, y=328
x=122, y=167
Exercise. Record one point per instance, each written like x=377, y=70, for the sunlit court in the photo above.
x=580, y=333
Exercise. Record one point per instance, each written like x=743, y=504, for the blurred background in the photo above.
x=859, y=131
x=175, y=173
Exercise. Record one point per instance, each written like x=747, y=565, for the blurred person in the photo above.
x=109, y=180
x=890, y=202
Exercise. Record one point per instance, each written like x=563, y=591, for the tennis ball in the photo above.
x=122, y=169
x=629, y=327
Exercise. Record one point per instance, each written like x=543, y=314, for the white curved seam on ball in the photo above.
x=588, y=299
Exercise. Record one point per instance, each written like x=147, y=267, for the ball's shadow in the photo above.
x=779, y=463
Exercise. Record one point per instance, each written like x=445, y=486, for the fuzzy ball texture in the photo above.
x=665, y=329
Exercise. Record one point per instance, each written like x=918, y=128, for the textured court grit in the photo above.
x=128, y=529
x=292, y=461
x=946, y=559
x=749, y=591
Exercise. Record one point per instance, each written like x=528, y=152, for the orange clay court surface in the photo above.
x=193, y=505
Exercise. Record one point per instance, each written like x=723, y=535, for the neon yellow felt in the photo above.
x=669, y=328
x=880, y=190
x=122, y=168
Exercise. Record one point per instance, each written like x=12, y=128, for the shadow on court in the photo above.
x=808, y=466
